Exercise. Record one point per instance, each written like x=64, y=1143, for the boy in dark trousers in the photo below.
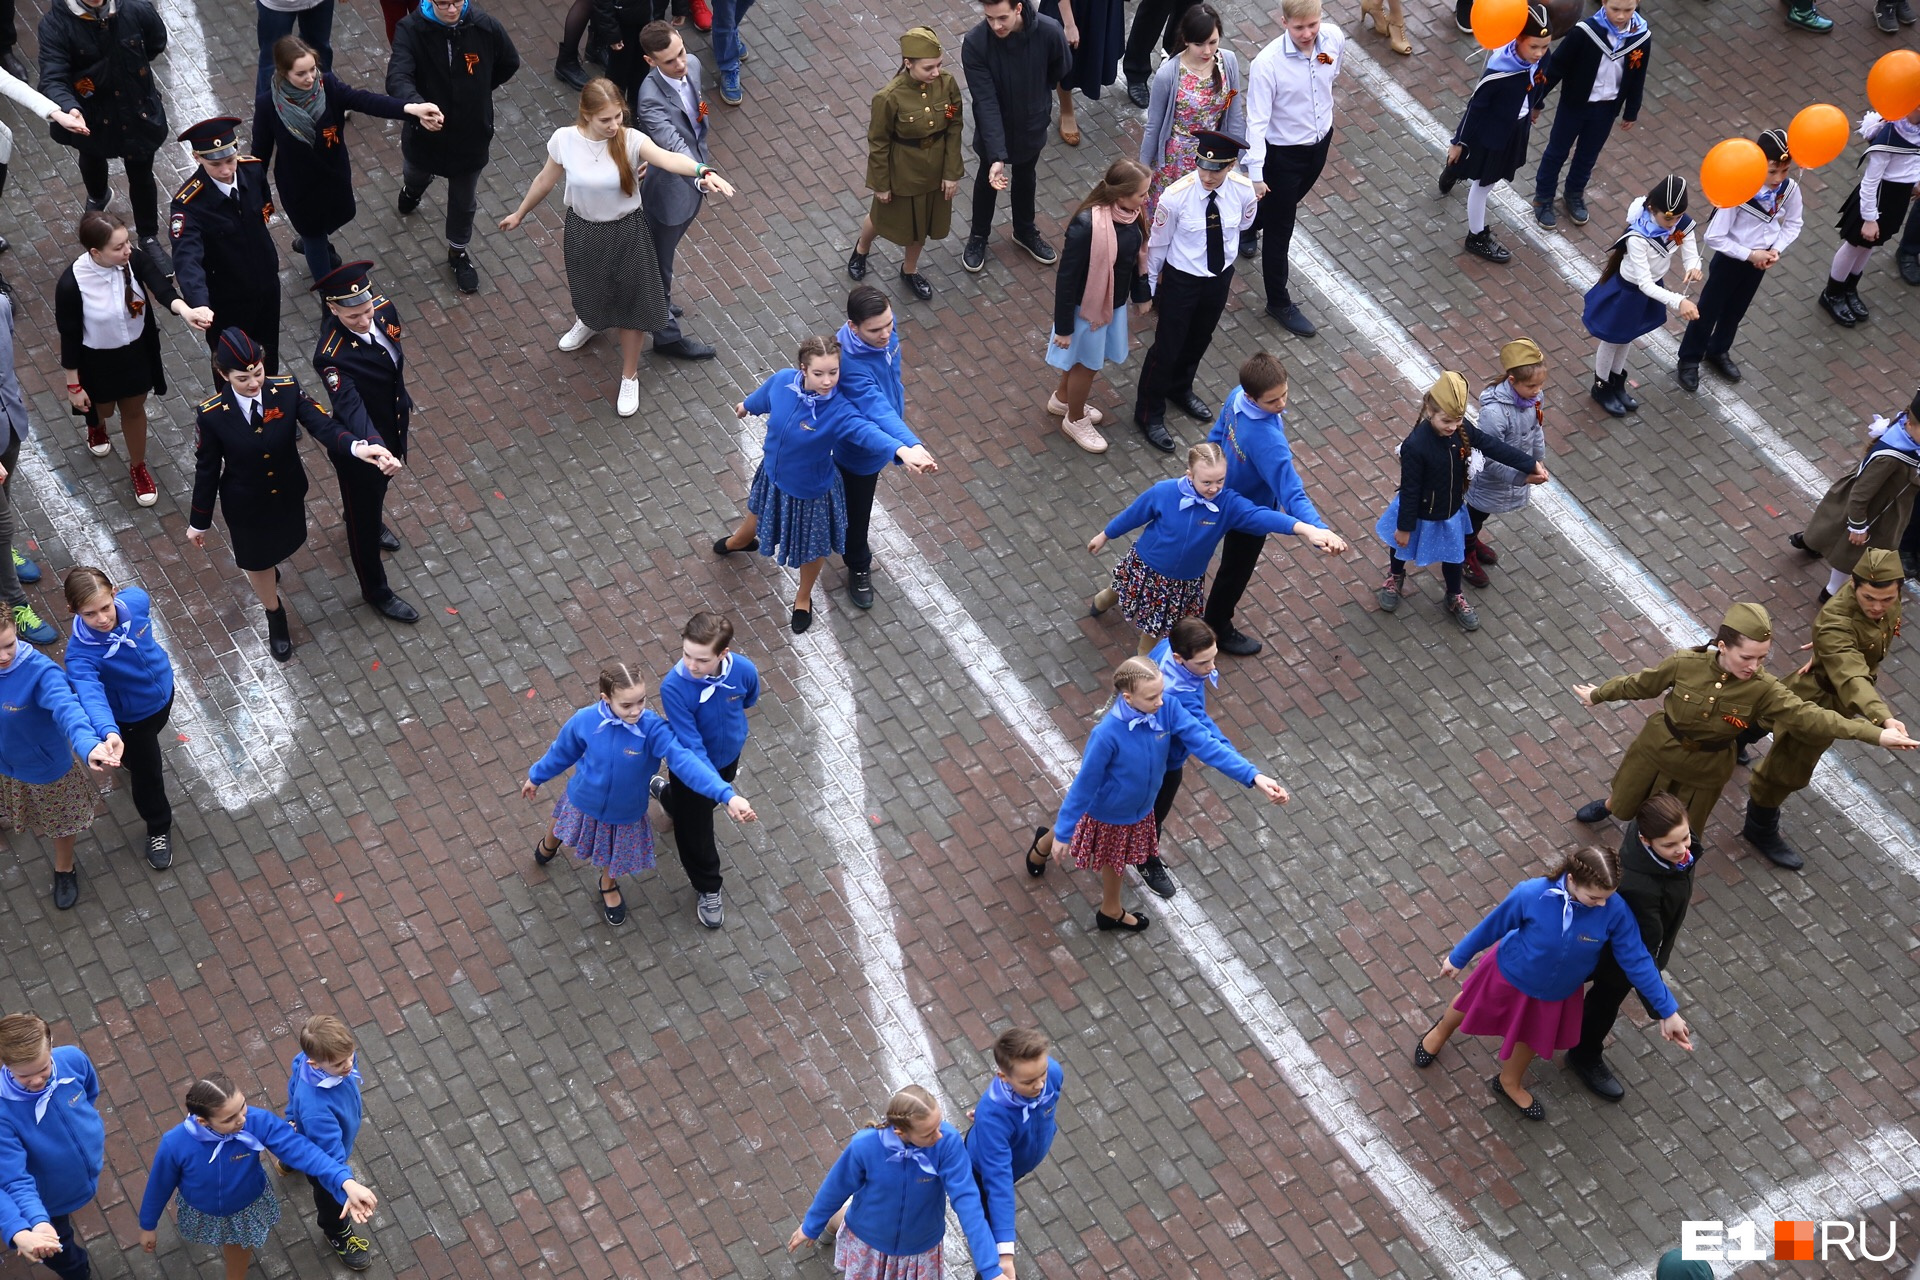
x=1602, y=66
x=705, y=699
x=323, y=1103
x=1657, y=859
x=1014, y=1125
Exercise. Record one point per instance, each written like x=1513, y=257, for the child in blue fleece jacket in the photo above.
x=323, y=1104
x=1189, y=662
x=1014, y=1124
x=706, y=698
x=52, y=1144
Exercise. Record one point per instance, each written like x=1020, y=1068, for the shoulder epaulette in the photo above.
x=211, y=402
x=280, y=379
x=332, y=344
x=249, y=159
x=1236, y=176
x=1186, y=179
x=189, y=191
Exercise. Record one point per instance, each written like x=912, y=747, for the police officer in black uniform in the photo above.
x=223, y=255
x=360, y=361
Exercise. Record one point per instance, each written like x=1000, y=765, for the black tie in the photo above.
x=1216, y=237
x=253, y=415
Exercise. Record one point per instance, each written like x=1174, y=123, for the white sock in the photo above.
x=1477, y=206
x=1836, y=580
x=1850, y=259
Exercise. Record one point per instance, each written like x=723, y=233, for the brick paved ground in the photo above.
x=551, y=1097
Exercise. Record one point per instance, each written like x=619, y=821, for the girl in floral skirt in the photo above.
x=900, y=1175
x=796, y=488
x=1160, y=580
x=1106, y=821
x=213, y=1160
x=1199, y=89
x=1546, y=938
x=613, y=748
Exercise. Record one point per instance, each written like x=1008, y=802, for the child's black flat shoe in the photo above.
x=616, y=912
x=1106, y=923
x=1421, y=1058
x=720, y=547
x=542, y=854
x=1533, y=1112
x=1036, y=870
x=801, y=620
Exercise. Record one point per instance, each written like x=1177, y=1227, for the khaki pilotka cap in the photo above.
x=1750, y=620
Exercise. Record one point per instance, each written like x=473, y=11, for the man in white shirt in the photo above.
x=669, y=108
x=1290, y=128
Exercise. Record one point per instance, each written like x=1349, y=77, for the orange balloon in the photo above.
x=1893, y=86
x=1817, y=135
x=1733, y=172
x=1497, y=23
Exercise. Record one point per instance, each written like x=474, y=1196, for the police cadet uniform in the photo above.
x=1190, y=267
x=1848, y=648
x=1689, y=748
x=365, y=373
x=223, y=255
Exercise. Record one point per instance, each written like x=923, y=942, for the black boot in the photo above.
x=279, y=642
x=1603, y=396
x=1853, y=297
x=1762, y=831
x=567, y=67
x=1833, y=301
x=1622, y=394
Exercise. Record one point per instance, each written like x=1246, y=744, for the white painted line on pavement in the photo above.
x=187, y=83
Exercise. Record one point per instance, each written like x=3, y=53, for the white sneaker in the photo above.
x=629, y=402
x=576, y=337
x=1081, y=432
x=1059, y=410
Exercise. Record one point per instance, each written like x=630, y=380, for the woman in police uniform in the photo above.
x=247, y=451
x=913, y=159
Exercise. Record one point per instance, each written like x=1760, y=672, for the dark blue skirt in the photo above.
x=798, y=531
x=1618, y=312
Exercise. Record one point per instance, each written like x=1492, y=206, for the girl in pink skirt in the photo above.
x=614, y=747
x=1106, y=820
x=1546, y=939
x=900, y=1175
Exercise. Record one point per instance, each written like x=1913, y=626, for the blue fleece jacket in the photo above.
x=1547, y=955
x=122, y=675
x=42, y=725
x=221, y=1180
x=803, y=438
x=612, y=762
x=328, y=1118
x=1179, y=541
x=51, y=1166
x=716, y=729
x=1008, y=1142
x=872, y=378
x=898, y=1207
x=1122, y=769
x=1190, y=691
x=1259, y=458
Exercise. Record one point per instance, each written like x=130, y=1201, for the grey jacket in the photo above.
x=1499, y=487
x=660, y=111
x=13, y=406
x=1166, y=84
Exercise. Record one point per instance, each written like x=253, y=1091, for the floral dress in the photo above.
x=1199, y=103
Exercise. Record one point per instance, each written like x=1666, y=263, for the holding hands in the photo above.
x=200, y=318
x=361, y=1202
x=1674, y=1028
x=428, y=115
x=107, y=755
x=1896, y=739
x=72, y=122
x=1325, y=539
x=39, y=1243
x=1539, y=473
x=379, y=455
x=917, y=459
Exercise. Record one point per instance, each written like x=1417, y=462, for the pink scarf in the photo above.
x=1096, y=304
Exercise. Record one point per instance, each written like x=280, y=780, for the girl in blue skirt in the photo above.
x=614, y=747
x=796, y=488
x=1629, y=301
x=1427, y=521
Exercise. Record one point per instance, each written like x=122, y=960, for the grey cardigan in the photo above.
x=1166, y=83
x=1499, y=488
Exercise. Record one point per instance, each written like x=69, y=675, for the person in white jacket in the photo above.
x=41, y=105
x=1631, y=300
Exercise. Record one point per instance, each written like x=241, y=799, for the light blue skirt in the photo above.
x=1432, y=541
x=1092, y=347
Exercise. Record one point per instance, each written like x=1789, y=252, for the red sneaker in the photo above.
x=702, y=14
x=1487, y=554
x=1471, y=569
x=97, y=443
x=145, y=491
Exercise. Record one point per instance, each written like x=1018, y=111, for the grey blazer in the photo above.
x=661, y=113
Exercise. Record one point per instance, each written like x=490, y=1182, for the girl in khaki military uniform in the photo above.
x=913, y=159
x=1870, y=506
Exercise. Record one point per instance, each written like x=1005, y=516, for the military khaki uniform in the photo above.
x=1848, y=648
x=913, y=144
x=1688, y=749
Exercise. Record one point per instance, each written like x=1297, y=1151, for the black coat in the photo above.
x=1575, y=61
x=1012, y=81
x=363, y=380
x=69, y=315
x=224, y=257
x=1076, y=253
x=99, y=67
x=316, y=179
x=1433, y=470
x=456, y=68
x=1493, y=112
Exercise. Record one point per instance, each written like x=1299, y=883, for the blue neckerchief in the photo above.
x=199, y=1132
x=1896, y=436
x=10, y=1090
x=607, y=718
x=1509, y=59
x=1001, y=1092
x=1559, y=889
x=810, y=401
x=1686, y=859
x=1181, y=680
x=713, y=682
x=1125, y=710
x=852, y=344
x=120, y=637
x=1527, y=402
x=322, y=1080
x=1644, y=223
x=1189, y=496
x=1635, y=25
x=897, y=1149
x=1768, y=198
x=426, y=11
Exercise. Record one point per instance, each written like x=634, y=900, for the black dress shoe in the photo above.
x=1139, y=92
x=801, y=620
x=1154, y=872
x=1688, y=376
x=387, y=541
x=1798, y=541
x=160, y=851
x=685, y=349
x=860, y=588
x=1727, y=368
x=720, y=547
x=918, y=285
x=1591, y=812
x=1158, y=436
x=1909, y=266
x=856, y=265
x=397, y=609
x=279, y=638
x=570, y=73
x=66, y=888
x=1193, y=406
x=1238, y=643
x=1481, y=244
x=1292, y=319
x=1598, y=1077
x=1106, y=923
x=1250, y=244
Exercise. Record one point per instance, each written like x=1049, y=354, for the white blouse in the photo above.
x=593, y=180
x=1645, y=263
x=103, y=305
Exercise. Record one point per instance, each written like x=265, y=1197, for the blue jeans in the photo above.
x=726, y=33
x=1579, y=128
x=316, y=28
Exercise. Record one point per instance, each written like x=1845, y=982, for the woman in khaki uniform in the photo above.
x=913, y=159
x=1868, y=508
